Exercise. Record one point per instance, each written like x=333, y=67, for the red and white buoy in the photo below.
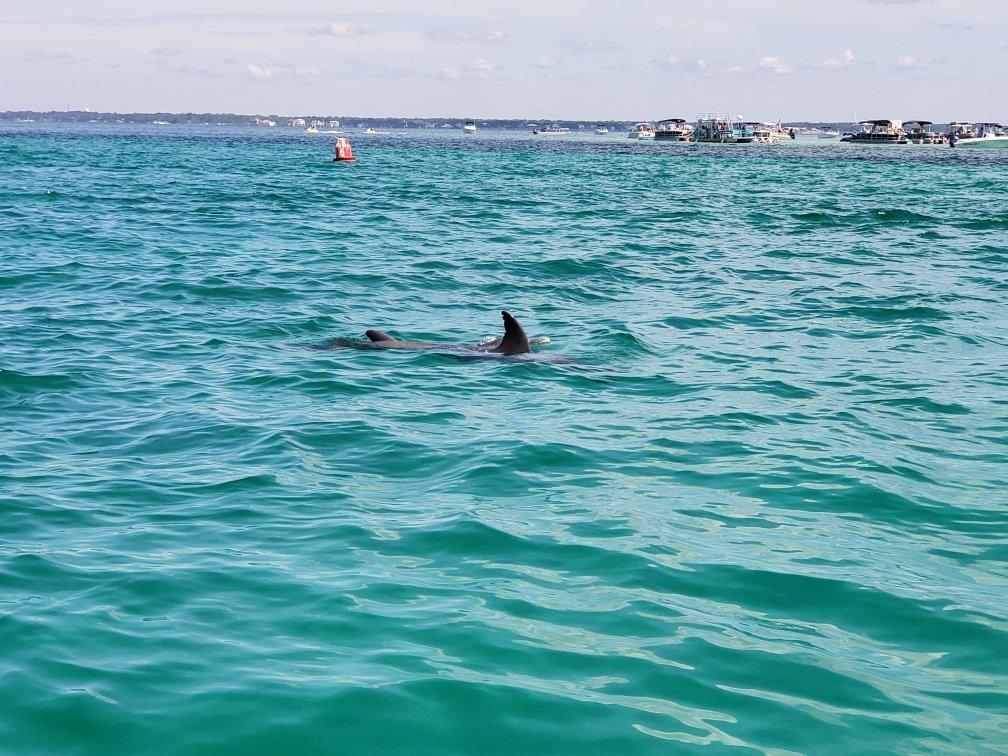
x=344, y=152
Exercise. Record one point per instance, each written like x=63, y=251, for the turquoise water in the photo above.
x=765, y=511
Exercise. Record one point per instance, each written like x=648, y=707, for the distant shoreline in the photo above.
x=285, y=121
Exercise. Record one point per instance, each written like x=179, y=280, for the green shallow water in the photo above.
x=765, y=511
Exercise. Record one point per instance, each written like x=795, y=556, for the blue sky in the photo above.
x=935, y=59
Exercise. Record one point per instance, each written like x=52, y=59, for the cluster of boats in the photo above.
x=959, y=133
x=721, y=128
x=316, y=126
x=712, y=128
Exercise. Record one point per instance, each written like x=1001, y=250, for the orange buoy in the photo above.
x=344, y=152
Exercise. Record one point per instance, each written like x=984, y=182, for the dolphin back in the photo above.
x=515, y=340
x=375, y=335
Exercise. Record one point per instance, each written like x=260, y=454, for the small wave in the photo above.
x=926, y=405
x=893, y=314
x=18, y=382
x=683, y=323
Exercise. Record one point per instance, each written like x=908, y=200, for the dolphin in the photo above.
x=513, y=343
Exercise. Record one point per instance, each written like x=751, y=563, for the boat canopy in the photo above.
x=920, y=123
x=879, y=122
x=672, y=120
x=987, y=123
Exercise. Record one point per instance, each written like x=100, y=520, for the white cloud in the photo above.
x=265, y=73
x=737, y=70
x=258, y=72
x=450, y=74
x=340, y=29
x=482, y=64
x=494, y=35
x=774, y=64
x=545, y=61
x=677, y=63
x=35, y=55
x=846, y=60
x=905, y=62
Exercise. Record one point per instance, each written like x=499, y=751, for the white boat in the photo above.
x=764, y=133
x=370, y=130
x=601, y=130
x=160, y=123
x=313, y=127
x=784, y=134
x=920, y=132
x=673, y=130
x=721, y=128
x=878, y=131
x=642, y=130
x=470, y=127
x=983, y=135
x=828, y=134
x=553, y=131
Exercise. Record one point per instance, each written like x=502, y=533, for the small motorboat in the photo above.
x=553, y=131
x=642, y=130
x=982, y=135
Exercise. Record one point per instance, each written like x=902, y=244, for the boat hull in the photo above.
x=989, y=143
x=851, y=140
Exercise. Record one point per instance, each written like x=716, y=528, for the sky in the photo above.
x=587, y=60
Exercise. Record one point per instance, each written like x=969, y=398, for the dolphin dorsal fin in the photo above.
x=376, y=335
x=514, y=340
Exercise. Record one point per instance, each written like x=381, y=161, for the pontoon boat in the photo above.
x=673, y=130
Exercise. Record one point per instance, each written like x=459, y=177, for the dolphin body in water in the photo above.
x=514, y=343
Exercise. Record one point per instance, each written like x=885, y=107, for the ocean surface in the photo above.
x=763, y=510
